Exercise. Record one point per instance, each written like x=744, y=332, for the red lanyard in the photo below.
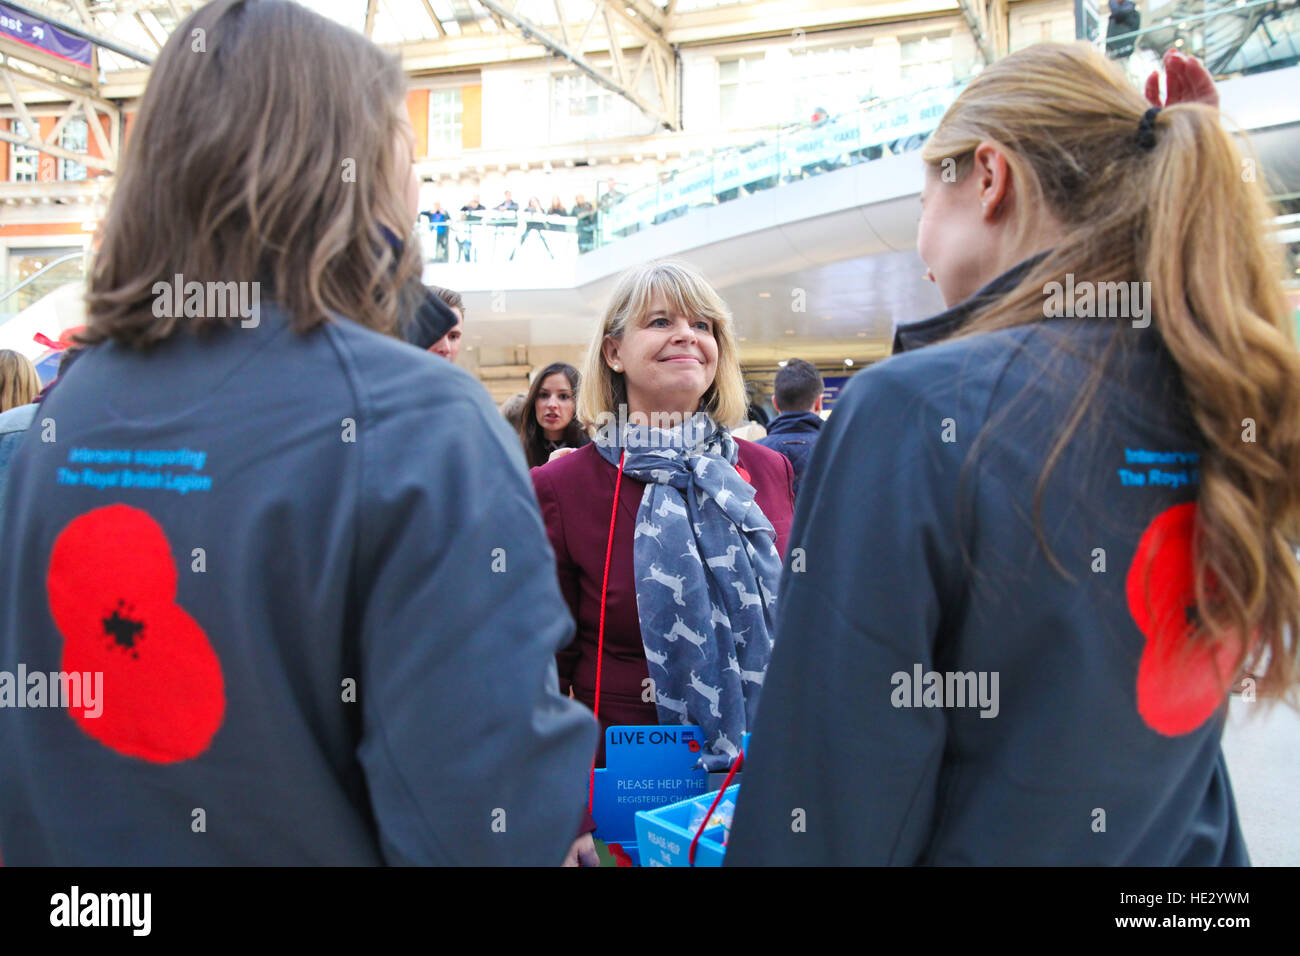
x=600, y=640
x=690, y=855
x=600, y=655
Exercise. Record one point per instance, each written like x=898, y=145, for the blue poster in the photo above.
x=646, y=766
x=42, y=36
x=833, y=385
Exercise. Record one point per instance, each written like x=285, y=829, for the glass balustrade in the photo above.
x=24, y=291
x=1231, y=36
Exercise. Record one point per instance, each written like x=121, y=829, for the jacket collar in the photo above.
x=795, y=421
x=939, y=327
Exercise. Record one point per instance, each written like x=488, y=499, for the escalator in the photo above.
x=36, y=312
x=1229, y=36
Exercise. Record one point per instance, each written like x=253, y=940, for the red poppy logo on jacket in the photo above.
x=1180, y=683
x=112, y=592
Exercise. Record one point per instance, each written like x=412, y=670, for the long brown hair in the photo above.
x=530, y=432
x=1184, y=214
x=19, y=383
x=264, y=151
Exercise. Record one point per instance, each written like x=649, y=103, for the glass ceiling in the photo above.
x=408, y=21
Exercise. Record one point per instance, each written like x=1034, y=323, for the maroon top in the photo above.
x=576, y=494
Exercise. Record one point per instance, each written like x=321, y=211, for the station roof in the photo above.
x=144, y=25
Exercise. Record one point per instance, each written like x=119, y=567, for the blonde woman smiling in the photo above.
x=701, y=518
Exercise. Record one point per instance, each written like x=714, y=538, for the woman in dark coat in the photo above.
x=1046, y=538
x=701, y=521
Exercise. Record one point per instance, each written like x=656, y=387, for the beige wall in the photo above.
x=505, y=371
x=1037, y=21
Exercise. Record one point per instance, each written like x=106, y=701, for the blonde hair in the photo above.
x=686, y=292
x=19, y=383
x=1181, y=215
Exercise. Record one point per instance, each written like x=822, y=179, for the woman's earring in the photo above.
x=618, y=368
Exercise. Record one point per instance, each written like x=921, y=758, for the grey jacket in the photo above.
x=313, y=575
x=1052, y=731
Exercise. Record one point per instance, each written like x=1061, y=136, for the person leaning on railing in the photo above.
x=585, y=213
x=1125, y=20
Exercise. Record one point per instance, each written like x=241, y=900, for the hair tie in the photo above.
x=1146, y=134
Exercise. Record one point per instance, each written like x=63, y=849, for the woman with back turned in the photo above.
x=263, y=529
x=1046, y=540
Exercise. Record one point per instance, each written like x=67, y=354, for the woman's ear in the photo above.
x=609, y=349
x=992, y=178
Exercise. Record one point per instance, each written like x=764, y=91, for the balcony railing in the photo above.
x=27, y=292
x=1231, y=36
x=877, y=128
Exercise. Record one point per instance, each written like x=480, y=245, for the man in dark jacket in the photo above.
x=306, y=587
x=438, y=219
x=1125, y=20
x=797, y=398
x=14, y=424
x=428, y=318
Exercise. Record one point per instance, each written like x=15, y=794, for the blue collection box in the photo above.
x=649, y=768
x=664, y=835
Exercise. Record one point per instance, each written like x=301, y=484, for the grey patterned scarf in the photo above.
x=707, y=570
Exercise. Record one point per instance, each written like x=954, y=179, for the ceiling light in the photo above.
x=765, y=295
x=849, y=362
x=782, y=363
x=789, y=331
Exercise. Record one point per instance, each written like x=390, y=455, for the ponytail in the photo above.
x=1166, y=198
x=1222, y=314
